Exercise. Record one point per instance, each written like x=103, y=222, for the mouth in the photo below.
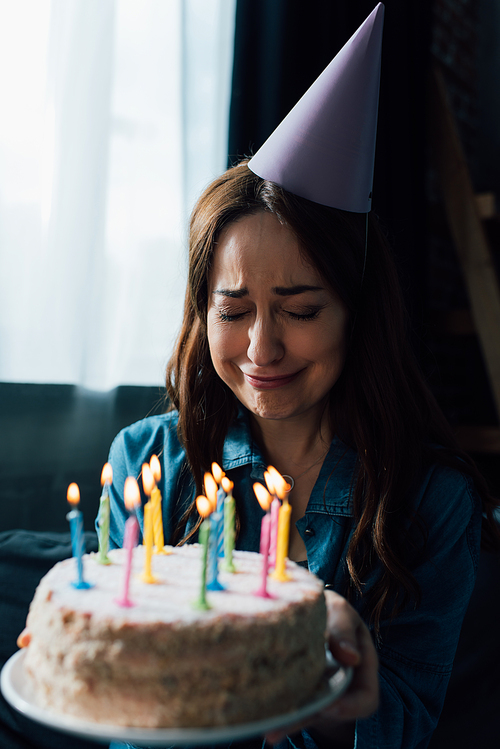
x=270, y=383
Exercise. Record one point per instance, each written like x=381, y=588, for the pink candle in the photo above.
x=132, y=499
x=264, y=499
x=264, y=531
x=275, y=509
x=279, y=488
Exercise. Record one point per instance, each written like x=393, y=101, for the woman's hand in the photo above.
x=351, y=645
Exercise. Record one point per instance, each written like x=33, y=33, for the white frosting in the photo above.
x=173, y=597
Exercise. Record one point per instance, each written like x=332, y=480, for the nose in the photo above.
x=265, y=345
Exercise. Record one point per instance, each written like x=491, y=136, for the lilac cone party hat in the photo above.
x=324, y=150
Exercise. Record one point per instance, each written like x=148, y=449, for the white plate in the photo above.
x=16, y=690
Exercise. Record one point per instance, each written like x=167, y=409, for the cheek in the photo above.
x=223, y=343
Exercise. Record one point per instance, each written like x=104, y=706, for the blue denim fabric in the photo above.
x=416, y=649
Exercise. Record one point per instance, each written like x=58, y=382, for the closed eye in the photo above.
x=225, y=317
x=310, y=314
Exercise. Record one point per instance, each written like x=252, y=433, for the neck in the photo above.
x=291, y=445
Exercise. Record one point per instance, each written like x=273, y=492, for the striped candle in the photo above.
x=103, y=515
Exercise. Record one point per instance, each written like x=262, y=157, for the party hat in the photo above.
x=324, y=149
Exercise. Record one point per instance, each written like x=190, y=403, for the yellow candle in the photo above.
x=147, y=576
x=282, y=542
x=148, y=532
x=159, y=540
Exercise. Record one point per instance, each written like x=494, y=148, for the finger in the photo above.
x=24, y=639
x=361, y=699
x=344, y=652
x=343, y=629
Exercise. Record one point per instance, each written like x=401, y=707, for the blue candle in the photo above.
x=218, y=474
x=221, y=495
x=75, y=518
x=216, y=527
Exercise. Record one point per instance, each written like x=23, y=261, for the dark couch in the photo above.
x=50, y=435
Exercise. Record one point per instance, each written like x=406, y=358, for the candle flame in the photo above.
x=73, y=494
x=227, y=485
x=210, y=489
x=148, y=480
x=155, y=466
x=107, y=474
x=131, y=493
x=280, y=486
x=269, y=482
x=217, y=472
x=263, y=496
x=204, y=506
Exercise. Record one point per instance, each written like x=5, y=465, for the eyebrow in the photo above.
x=279, y=290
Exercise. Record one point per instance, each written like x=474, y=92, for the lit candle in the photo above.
x=75, y=518
x=264, y=499
x=275, y=508
x=159, y=541
x=229, y=525
x=148, y=483
x=132, y=499
x=103, y=516
x=283, y=533
x=218, y=475
x=204, y=507
x=216, y=524
x=264, y=531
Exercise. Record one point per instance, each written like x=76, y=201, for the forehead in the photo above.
x=259, y=248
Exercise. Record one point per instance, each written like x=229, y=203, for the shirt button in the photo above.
x=309, y=532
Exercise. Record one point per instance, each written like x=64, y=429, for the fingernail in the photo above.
x=348, y=647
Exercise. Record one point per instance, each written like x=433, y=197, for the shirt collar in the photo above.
x=339, y=467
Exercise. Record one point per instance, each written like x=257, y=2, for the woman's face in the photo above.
x=276, y=332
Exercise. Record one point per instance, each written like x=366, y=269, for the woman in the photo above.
x=293, y=352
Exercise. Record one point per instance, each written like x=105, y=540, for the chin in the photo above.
x=271, y=411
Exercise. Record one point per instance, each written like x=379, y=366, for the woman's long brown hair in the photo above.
x=380, y=405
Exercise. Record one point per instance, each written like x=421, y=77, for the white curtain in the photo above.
x=114, y=117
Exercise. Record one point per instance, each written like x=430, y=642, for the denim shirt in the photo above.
x=417, y=647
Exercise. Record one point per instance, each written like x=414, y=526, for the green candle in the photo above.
x=103, y=517
x=229, y=525
x=204, y=536
x=204, y=507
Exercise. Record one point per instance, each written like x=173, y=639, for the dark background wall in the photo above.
x=281, y=47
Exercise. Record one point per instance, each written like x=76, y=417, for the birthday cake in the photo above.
x=163, y=662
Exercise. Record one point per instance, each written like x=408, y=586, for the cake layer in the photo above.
x=165, y=663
